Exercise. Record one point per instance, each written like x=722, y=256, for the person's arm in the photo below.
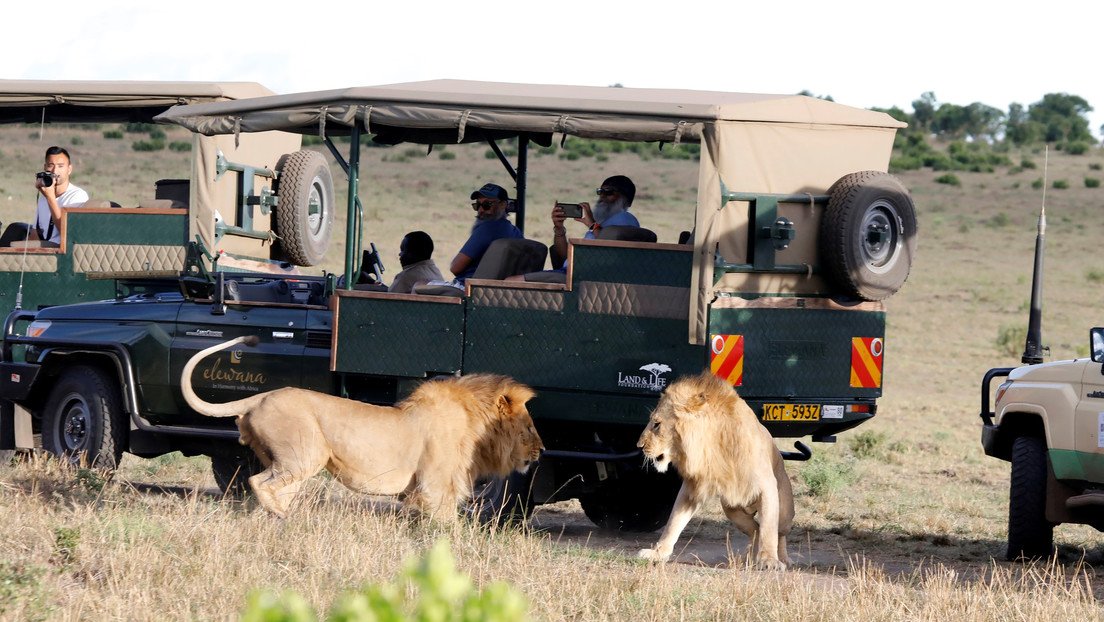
x=559, y=232
x=460, y=263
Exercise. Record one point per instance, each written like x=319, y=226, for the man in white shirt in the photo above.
x=55, y=192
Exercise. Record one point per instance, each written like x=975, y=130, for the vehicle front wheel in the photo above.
x=1030, y=534
x=232, y=469
x=83, y=421
x=639, y=502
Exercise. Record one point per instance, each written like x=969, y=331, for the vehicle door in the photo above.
x=1089, y=430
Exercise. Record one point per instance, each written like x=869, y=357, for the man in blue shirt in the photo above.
x=615, y=196
x=489, y=203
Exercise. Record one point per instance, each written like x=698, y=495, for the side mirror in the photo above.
x=1096, y=339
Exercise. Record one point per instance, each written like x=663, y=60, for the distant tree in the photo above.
x=1062, y=117
x=808, y=93
x=1019, y=129
x=950, y=121
x=923, y=111
x=983, y=122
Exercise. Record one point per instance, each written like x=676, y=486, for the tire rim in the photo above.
x=881, y=236
x=74, y=423
x=316, y=209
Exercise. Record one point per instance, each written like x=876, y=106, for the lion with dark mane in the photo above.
x=721, y=450
x=430, y=448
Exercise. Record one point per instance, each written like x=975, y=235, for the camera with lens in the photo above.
x=47, y=178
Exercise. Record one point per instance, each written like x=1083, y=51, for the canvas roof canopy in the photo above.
x=71, y=101
x=754, y=143
x=446, y=111
x=125, y=101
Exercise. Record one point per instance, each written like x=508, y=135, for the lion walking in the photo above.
x=721, y=450
x=429, y=448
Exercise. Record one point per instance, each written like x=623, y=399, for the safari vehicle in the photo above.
x=796, y=237
x=1047, y=419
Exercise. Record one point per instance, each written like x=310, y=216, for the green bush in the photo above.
x=113, y=134
x=1027, y=163
x=905, y=163
x=430, y=589
x=1037, y=184
x=490, y=154
x=1094, y=276
x=147, y=145
x=867, y=444
x=1077, y=148
x=180, y=145
x=949, y=179
x=1060, y=184
x=311, y=141
x=999, y=220
x=822, y=477
x=1095, y=166
x=1011, y=339
x=447, y=155
x=157, y=134
x=1092, y=182
x=139, y=128
x=76, y=141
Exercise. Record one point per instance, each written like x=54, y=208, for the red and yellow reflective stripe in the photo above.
x=866, y=362
x=726, y=358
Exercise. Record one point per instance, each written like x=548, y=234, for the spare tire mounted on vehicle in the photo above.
x=868, y=234
x=305, y=212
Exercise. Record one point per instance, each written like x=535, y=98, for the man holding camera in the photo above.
x=615, y=195
x=55, y=192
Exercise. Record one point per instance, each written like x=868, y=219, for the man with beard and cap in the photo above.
x=415, y=251
x=615, y=196
x=490, y=203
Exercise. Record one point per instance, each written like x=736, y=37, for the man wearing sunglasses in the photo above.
x=615, y=195
x=489, y=203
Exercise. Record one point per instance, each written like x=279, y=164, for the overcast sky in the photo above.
x=861, y=53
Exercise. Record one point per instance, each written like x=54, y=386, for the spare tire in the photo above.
x=868, y=235
x=305, y=211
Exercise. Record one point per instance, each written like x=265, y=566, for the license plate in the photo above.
x=791, y=412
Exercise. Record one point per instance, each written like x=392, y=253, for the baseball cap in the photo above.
x=491, y=191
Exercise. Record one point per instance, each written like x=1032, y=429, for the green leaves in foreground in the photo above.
x=441, y=594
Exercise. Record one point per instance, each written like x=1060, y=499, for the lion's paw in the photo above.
x=653, y=555
x=764, y=563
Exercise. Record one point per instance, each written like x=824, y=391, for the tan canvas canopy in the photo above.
x=122, y=101
x=785, y=144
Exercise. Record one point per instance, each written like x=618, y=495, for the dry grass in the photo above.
x=902, y=521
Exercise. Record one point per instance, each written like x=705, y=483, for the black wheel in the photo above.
x=638, y=501
x=868, y=234
x=504, y=500
x=305, y=212
x=232, y=469
x=84, y=419
x=1029, y=532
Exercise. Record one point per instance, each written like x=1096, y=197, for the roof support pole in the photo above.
x=352, y=219
x=522, y=177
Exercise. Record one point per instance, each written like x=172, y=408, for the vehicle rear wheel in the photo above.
x=305, y=212
x=868, y=234
x=232, y=469
x=83, y=421
x=504, y=500
x=1030, y=534
x=639, y=501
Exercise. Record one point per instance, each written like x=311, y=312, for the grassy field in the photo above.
x=903, y=518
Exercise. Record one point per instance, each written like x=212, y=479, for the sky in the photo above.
x=862, y=53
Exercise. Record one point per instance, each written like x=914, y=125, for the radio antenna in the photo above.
x=1033, y=348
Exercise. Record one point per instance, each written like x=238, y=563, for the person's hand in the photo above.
x=50, y=192
x=588, y=217
x=558, y=216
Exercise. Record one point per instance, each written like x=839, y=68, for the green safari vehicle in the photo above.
x=797, y=236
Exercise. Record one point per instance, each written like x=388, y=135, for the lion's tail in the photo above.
x=229, y=409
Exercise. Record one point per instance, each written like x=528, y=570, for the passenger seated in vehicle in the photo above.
x=414, y=255
x=615, y=196
x=55, y=192
x=490, y=203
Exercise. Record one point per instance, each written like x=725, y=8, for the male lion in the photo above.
x=721, y=450
x=429, y=448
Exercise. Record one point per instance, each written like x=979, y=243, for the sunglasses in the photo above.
x=606, y=191
x=478, y=205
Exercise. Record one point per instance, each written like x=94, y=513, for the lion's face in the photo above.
x=658, y=438
x=528, y=447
